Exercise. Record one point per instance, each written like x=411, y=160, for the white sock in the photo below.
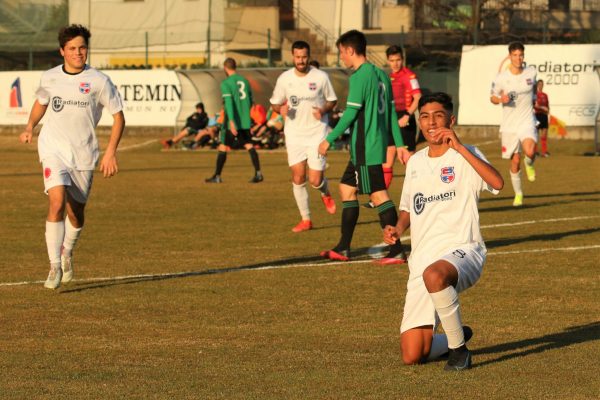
x=323, y=187
x=55, y=234
x=448, y=309
x=71, y=236
x=439, y=346
x=301, y=196
x=515, y=179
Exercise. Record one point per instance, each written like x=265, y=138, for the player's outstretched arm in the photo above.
x=391, y=234
x=109, y=165
x=36, y=115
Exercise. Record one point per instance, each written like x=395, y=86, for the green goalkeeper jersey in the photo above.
x=237, y=99
x=370, y=98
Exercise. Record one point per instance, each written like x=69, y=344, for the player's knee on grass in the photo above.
x=415, y=345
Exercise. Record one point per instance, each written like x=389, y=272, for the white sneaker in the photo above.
x=66, y=264
x=54, y=277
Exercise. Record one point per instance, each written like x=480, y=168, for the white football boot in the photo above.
x=66, y=264
x=54, y=277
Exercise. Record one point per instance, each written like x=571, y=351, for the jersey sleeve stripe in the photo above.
x=354, y=104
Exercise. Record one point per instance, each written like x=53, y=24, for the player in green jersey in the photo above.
x=237, y=99
x=370, y=114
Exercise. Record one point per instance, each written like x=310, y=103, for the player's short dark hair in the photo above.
x=393, y=50
x=440, y=97
x=68, y=33
x=355, y=40
x=515, y=46
x=200, y=105
x=539, y=80
x=230, y=63
x=314, y=63
x=301, y=44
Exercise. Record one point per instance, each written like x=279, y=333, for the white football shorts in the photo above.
x=298, y=152
x=511, y=142
x=418, y=307
x=78, y=183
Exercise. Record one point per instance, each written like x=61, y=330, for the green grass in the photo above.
x=228, y=329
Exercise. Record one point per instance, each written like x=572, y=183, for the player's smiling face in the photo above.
x=431, y=117
x=395, y=62
x=300, y=60
x=75, y=54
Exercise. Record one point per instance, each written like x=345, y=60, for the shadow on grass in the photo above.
x=494, y=244
x=359, y=254
x=537, y=205
x=521, y=348
x=538, y=196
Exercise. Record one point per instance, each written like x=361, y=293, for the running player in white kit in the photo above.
x=304, y=95
x=439, y=203
x=72, y=97
x=515, y=89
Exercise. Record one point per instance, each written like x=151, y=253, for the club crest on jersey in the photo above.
x=312, y=86
x=84, y=87
x=529, y=81
x=47, y=173
x=447, y=174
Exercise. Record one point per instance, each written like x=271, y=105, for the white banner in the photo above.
x=570, y=81
x=151, y=98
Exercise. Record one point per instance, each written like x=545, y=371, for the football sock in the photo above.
x=389, y=216
x=388, y=174
x=529, y=161
x=254, y=158
x=170, y=142
x=71, y=236
x=55, y=234
x=515, y=179
x=448, y=309
x=439, y=346
x=301, y=196
x=350, y=211
x=544, y=142
x=323, y=187
x=221, y=158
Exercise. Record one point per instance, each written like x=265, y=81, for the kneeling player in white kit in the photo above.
x=439, y=203
x=72, y=97
x=304, y=95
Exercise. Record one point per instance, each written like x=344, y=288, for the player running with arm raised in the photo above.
x=370, y=115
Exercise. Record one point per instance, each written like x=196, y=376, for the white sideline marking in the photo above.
x=134, y=146
x=266, y=267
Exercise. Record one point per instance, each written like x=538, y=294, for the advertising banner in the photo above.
x=151, y=98
x=570, y=81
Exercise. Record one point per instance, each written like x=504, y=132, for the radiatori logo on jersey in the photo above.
x=58, y=103
x=420, y=200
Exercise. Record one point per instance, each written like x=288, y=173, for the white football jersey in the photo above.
x=302, y=93
x=517, y=115
x=75, y=103
x=441, y=194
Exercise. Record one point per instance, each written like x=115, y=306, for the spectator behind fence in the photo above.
x=193, y=124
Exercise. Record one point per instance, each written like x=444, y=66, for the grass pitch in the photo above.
x=185, y=290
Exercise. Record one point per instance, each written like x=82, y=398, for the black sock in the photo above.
x=170, y=142
x=389, y=216
x=254, y=158
x=350, y=211
x=221, y=158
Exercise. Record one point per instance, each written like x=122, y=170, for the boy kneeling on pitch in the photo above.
x=439, y=203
